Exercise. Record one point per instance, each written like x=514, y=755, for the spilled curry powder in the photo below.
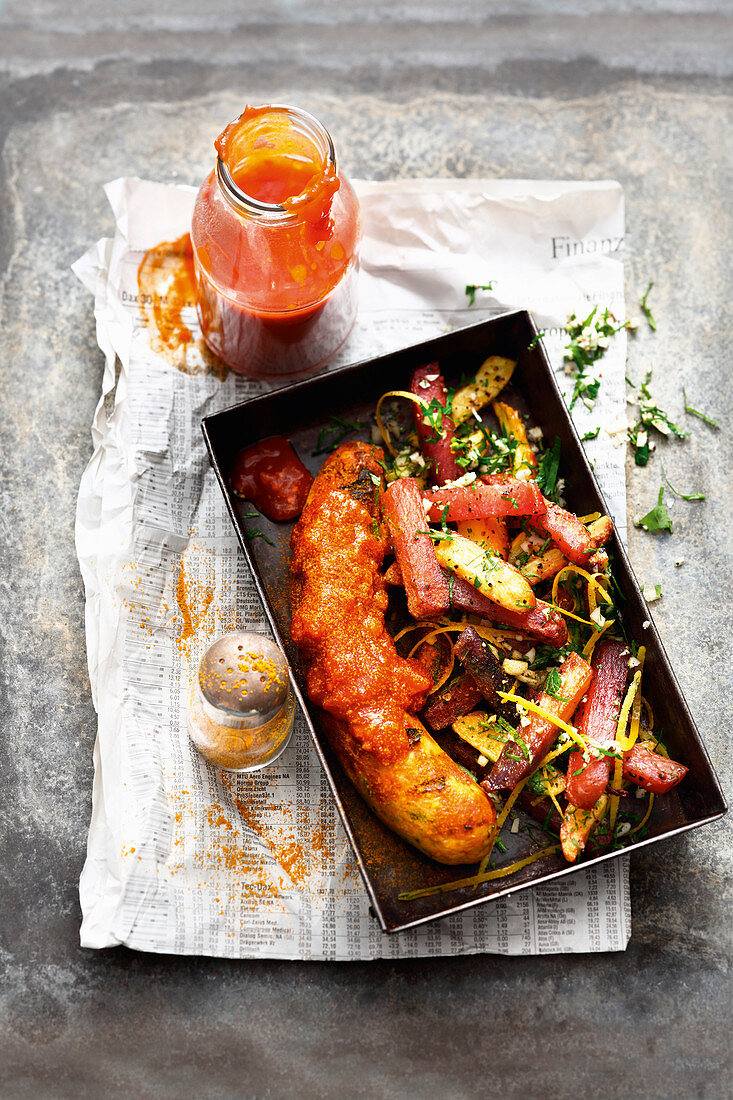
x=166, y=284
x=194, y=599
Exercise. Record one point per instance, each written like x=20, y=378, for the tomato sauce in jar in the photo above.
x=276, y=233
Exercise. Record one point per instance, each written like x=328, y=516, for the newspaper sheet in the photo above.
x=185, y=858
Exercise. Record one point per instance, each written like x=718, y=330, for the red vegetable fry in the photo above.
x=538, y=735
x=651, y=770
x=567, y=532
x=610, y=662
x=499, y=496
x=425, y=583
x=457, y=698
x=591, y=778
x=542, y=622
x=434, y=426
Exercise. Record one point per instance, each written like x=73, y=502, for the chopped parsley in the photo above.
x=471, y=289
x=255, y=534
x=588, y=342
x=553, y=683
x=522, y=744
x=334, y=433
x=547, y=470
x=591, y=435
x=650, y=416
x=696, y=412
x=658, y=519
x=546, y=655
x=682, y=496
x=475, y=447
x=646, y=310
x=433, y=415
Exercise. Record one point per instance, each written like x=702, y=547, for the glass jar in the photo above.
x=275, y=233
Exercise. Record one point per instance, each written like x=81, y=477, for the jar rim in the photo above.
x=250, y=206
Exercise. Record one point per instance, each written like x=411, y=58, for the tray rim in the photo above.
x=308, y=383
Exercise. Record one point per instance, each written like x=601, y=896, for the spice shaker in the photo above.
x=241, y=704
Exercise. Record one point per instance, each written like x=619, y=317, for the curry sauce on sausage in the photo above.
x=354, y=673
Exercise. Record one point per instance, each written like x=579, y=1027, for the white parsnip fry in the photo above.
x=534, y=558
x=578, y=826
x=489, y=533
x=477, y=730
x=525, y=460
x=488, y=573
x=491, y=377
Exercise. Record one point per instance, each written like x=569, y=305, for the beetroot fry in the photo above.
x=586, y=783
x=433, y=425
x=425, y=584
x=651, y=770
x=567, y=532
x=539, y=733
x=458, y=697
x=542, y=622
x=497, y=496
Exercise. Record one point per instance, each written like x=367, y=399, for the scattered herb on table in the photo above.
x=591, y=435
x=589, y=341
x=650, y=416
x=658, y=519
x=682, y=496
x=696, y=412
x=472, y=288
x=646, y=310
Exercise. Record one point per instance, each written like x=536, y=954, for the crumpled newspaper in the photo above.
x=184, y=858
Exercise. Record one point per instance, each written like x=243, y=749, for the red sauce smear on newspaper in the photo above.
x=272, y=477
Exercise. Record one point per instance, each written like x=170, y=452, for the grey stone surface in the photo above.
x=635, y=91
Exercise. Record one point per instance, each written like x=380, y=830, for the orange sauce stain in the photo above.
x=166, y=287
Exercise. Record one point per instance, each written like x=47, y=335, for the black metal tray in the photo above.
x=301, y=412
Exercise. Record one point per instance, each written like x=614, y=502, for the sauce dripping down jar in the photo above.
x=275, y=233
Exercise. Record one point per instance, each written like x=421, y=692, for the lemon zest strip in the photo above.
x=485, y=876
x=623, y=719
x=378, y=414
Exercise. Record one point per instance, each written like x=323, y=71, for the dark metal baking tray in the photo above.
x=300, y=412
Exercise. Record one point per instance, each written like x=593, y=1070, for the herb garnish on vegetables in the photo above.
x=547, y=469
x=553, y=683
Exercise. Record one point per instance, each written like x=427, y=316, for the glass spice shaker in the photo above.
x=241, y=703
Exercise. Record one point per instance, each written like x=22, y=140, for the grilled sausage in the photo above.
x=353, y=672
